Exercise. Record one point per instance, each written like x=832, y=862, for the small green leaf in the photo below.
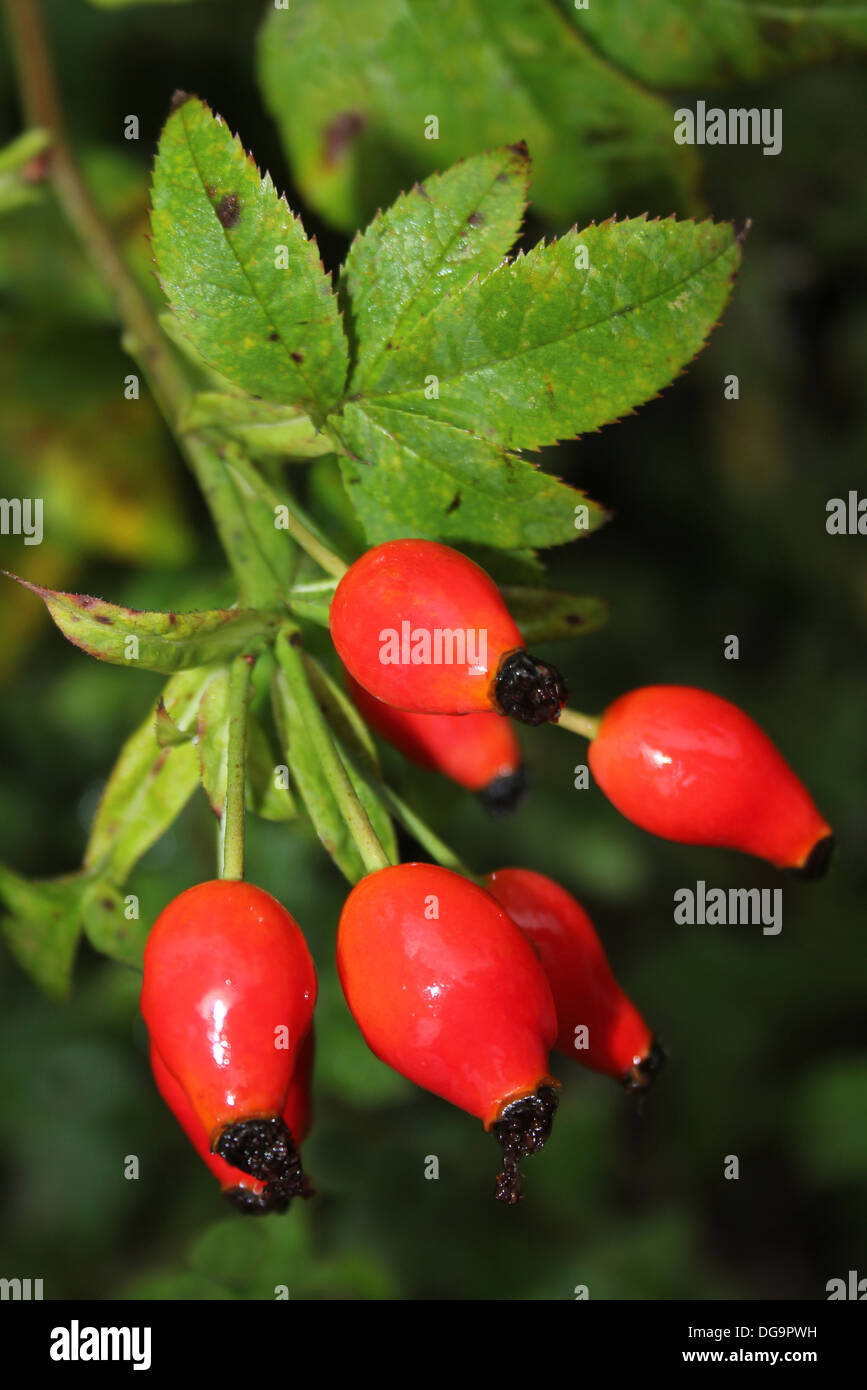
x=212, y=741
x=675, y=43
x=239, y=273
x=17, y=186
x=312, y=600
x=543, y=349
x=267, y=796
x=149, y=785
x=167, y=732
x=260, y=427
x=257, y=504
x=413, y=476
x=316, y=793
x=347, y=723
x=547, y=615
x=312, y=785
x=434, y=238
x=43, y=926
x=153, y=641
x=107, y=926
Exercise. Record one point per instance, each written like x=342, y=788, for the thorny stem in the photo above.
x=318, y=732
x=142, y=336
x=587, y=725
x=232, y=820
x=40, y=100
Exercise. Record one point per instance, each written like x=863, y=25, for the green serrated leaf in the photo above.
x=434, y=238
x=212, y=739
x=409, y=475
x=267, y=794
x=353, y=89
x=543, y=349
x=43, y=925
x=262, y=428
x=675, y=43
x=107, y=926
x=153, y=641
x=149, y=785
x=548, y=615
x=239, y=273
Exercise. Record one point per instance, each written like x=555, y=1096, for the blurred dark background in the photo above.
x=719, y=529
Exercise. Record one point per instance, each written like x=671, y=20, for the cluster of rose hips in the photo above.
x=462, y=986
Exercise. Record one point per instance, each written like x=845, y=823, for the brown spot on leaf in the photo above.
x=178, y=98
x=520, y=148
x=340, y=133
x=297, y=356
x=475, y=219
x=273, y=337
x=228, y=210
x=454, y=504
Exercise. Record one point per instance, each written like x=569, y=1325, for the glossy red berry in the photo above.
x=690, y=766
x=448, y=992
x=478, y=751
x=228, y=996
x=246, y=1193
x=425, y=629
x=587, y=997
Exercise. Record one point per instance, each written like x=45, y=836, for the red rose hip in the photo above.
x=228, y=996
x=247, y=1194
x=448, y=992
x=690, y=766
x=423, y=628
x=478, y=751
x=586, y=994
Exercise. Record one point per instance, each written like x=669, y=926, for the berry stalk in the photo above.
x=232, y=819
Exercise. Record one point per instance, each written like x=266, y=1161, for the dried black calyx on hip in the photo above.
x=645, y=1070
x=505, y=792
x=522, y=1129
x=270, y=1199
x=529, y=689
x=264, y=1149
x=817, y=861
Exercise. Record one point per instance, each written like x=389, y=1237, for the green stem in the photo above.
x=420, y=831
x=290, y=660
x=257, y=584
x=300, y=530
x=142, y=336
x=232, y=822
x=587, y=725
